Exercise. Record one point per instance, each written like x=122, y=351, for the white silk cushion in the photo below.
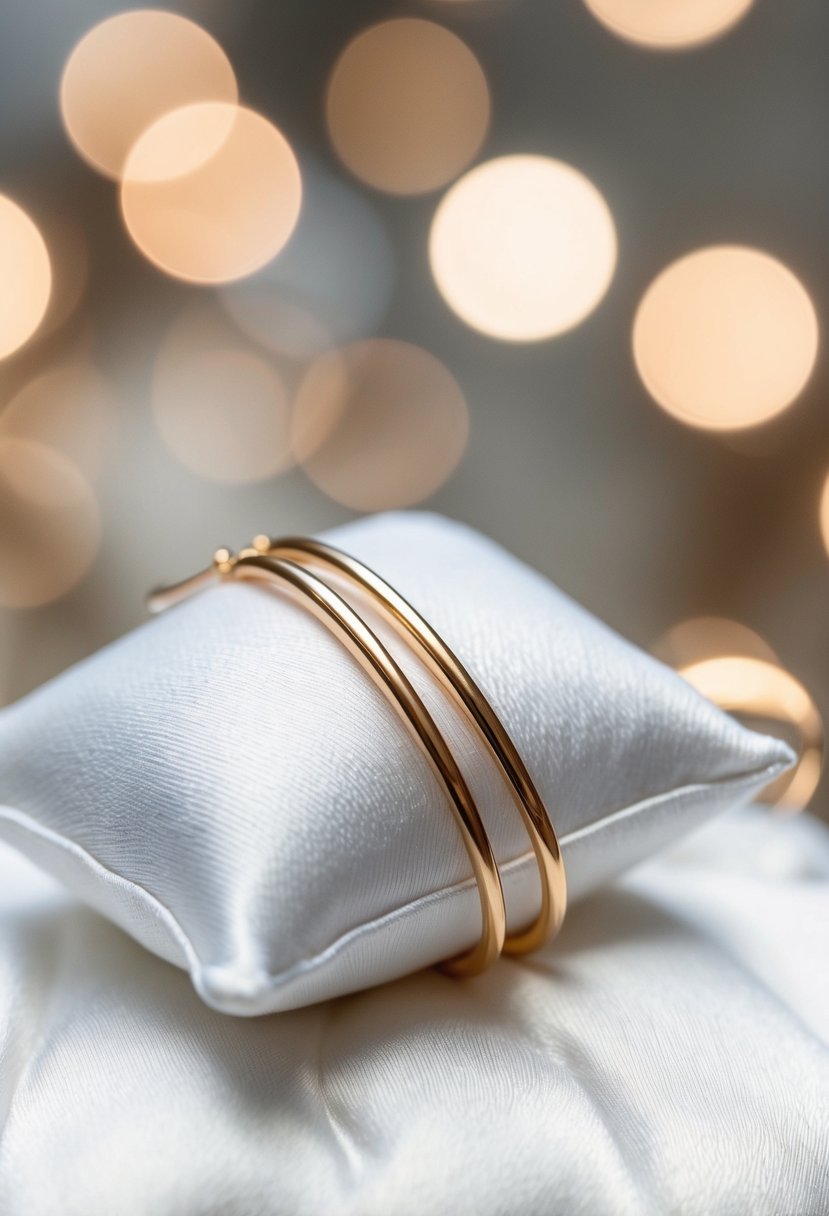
x=670, y=1054
x=227, y=785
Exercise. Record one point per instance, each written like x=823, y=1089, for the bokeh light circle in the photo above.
x=824, y=513
x=211, y=192
x=523, y=247
x=669, y=24
x=25, y=277
x=379, y=424
x=50, y=526
x=222, y=410
x=333, y=281
x=128, y=71
x=68, y=252
x=70, y=407
x=756, y=688
x=725, y=338
x=705, y=637
x=407, y=106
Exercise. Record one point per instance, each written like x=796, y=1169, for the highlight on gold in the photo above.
x=725, y=338
x=523, y=247
x=50, y=525
x=131, y=69
x=379, y=423
x=220, y=407
x=211, y=192
x=738, y=670
x=824, y=513
x=669, y=24
x=26, y=278
x=407, y=106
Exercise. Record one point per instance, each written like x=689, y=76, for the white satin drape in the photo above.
x=670, y=1055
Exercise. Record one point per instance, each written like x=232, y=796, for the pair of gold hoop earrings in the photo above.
x=284, y=562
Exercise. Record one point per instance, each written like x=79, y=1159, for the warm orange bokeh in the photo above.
x=128, y=71
x=220, y=407
x=706, y=637
x=70, y=407
x=26, y=279
x=379, y=424
x=50, y=526
x=725, y=337
x=407, y=106
x=669, y=24
x=760, y=689
x=211, y=192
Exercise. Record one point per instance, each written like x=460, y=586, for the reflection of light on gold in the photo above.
x=704, y=637
x=70, y=408
x=211, y=192
x=522, y=247
x=221, y=409
x=749, y=686
x=379, y=424
x=407, y=105
x=49, y=524
x=669, y=23
x=130, y=70
x=725, y=338
x=25, y=277
x=824, y=514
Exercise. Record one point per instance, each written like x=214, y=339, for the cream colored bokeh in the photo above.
x=739, y=671
x=50, y=526
x=69, y=260
x=824, y=513
x=746, y=685
x=128, y=71
x=669, y=24
x=211, y=192
x=26, y=278
x=523, y=248
x=221, y=408
x=379, y=424
x=725, y=338
x=70, y=407
x=705, y=637
x=407, y=106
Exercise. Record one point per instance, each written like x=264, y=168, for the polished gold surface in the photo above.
x=456, y=680
x=364, y=645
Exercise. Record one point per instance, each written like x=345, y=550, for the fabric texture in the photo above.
x=226, y=784
x=670, y=1054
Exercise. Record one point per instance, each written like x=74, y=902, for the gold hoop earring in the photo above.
x=364, y=645
x=456, y=680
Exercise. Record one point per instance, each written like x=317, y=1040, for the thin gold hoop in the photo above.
x=456, y=680
x=364, y=645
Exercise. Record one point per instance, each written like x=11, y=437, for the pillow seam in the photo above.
x=274, y=981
